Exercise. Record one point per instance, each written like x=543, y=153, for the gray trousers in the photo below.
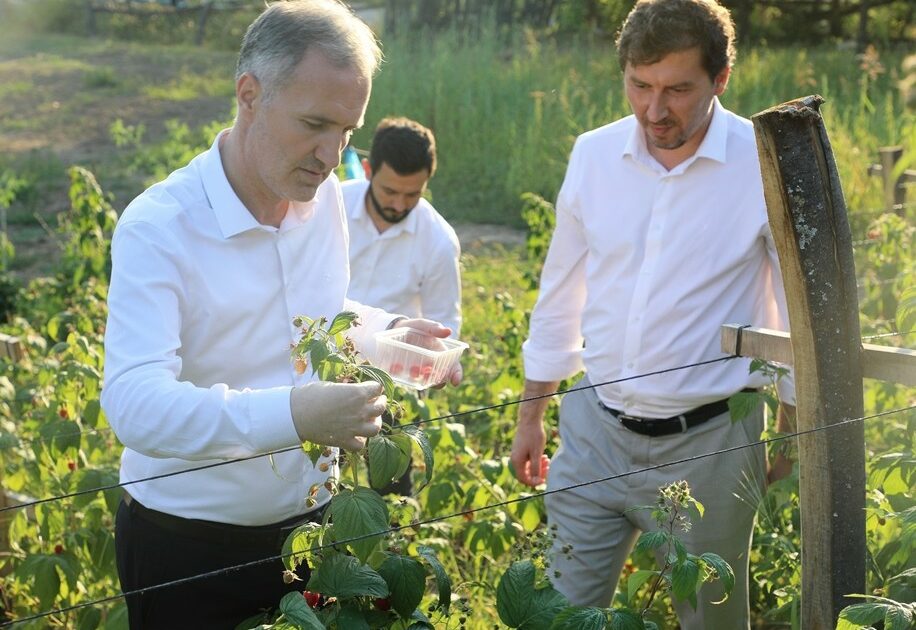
x=592, y=519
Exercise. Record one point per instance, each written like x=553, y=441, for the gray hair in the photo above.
x=277, y=40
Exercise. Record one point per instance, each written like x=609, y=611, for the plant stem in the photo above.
x=658, y=580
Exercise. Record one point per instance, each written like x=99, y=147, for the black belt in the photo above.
x=654, y=427
x=247, y=537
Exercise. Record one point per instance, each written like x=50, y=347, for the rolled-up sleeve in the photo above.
x=553, y=350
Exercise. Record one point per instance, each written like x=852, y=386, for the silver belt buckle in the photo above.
x=624, y=416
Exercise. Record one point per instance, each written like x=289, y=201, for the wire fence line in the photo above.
x=438, y=519
x=70, y=495
x=21, y=442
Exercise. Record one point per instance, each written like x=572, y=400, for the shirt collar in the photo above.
x=357, y=212
x=713, y=146
x=232, y=215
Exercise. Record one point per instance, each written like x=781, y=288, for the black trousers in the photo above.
x=152, y=548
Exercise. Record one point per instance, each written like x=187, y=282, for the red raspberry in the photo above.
x=71, y=465
x=382, y=603
x=63, y=413
x=414, y=372
x=58, y=549
x=396, y=369
x=311, y=598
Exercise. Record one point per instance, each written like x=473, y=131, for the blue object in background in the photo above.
x=350, y=165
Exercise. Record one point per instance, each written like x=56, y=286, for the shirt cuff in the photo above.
x=550, y=365
x=272, y=425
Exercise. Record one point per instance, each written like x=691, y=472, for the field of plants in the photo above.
x=465, y=551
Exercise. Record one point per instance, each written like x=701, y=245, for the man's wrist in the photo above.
x=397, y=320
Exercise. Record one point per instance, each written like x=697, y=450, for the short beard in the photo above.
x=388, y=214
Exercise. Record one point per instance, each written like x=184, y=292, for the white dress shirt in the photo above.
x=646, y=264
x=410, y=268
x=197, y=346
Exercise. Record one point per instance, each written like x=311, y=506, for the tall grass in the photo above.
x=506, y=115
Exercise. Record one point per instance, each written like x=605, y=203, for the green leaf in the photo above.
x=443, y=583
x=297, y=548
x=858, y=615
x=352, y=618
x=342, y=321
x=636, y=580
x=389, y=457
x=298, y=612
x=650, y=541
x=898, y=618
x=684, y=578
x=356, y=514
x=723, y=571
x=627, y=620
x=344, y=576
x=420, y=439
x=380, y=376
x=578, y=618
x=318, y=351
x=42, y=568
x=406, y=579
x=743, y=404
x=520, y=605
x=906, y=309
x=89, y=479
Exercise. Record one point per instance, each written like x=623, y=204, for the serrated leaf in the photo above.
x=420, y=439
x=318, y=351
x=906, y=309
x=626, y=620
x=342, y=321
x=356, y=514
x=406, y=580
x=520, y=605
x=298, y=612
x=650, y=541
x=352, y=618
x=389, y=457
x=297, y=548
x=636, y=580
x=380, y=376
x=43, y=570
x=443, y=582
x=684, y=578
x=864, y=614
x=579, y=618
x=344, y=576
x=898, y=618
x=723, y=570
x=87, y=479
x=742, y=405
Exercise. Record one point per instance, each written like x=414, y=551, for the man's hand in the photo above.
x=337, y=414
x=528, y=459
x=437, y=331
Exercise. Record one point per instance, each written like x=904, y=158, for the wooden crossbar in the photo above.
x=894, y=365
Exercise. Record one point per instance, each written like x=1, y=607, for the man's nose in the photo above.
x=658, y=108
x=329, y=149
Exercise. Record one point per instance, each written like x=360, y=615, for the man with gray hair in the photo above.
x=210, y=266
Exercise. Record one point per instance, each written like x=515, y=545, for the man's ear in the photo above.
x=366, y=168
x=721, y=80
x=247, y=93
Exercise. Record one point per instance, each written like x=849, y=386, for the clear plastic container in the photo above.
x=416, y=359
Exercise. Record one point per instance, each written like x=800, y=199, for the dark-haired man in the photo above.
x=661, y=238
x=403, y=254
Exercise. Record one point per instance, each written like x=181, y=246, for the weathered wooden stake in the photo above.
x=807, y=214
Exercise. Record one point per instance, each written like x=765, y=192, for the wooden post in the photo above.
x=807, y=214
x=894, y=193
